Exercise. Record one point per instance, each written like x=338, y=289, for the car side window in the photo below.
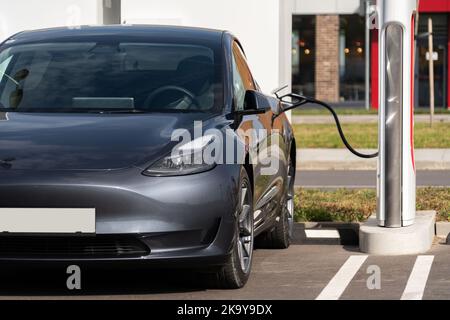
x=242, y=77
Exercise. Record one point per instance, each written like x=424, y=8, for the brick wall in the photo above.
x=327, y=58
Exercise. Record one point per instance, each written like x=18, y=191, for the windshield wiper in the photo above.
x=69, y=110
x=117, y=111
x=96, y=111
x=178, y=111
x=147, y=111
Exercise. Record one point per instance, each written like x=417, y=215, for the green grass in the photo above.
x=438, y=110
x=366, y=135
x=350, y=205
x=313, y=111
x=309, y=111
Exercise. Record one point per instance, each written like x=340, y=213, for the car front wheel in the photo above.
x=235, y=273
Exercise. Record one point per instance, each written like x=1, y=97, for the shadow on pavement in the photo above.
x=51, y=281
x=43, y=279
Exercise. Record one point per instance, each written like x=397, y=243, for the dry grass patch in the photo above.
x=356, y=205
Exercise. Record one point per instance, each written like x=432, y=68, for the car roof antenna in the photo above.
x=277, y=90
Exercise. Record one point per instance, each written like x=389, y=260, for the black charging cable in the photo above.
x=293, y=101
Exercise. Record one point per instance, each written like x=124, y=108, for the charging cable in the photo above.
x=292, y=101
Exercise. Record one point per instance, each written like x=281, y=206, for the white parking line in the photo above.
x=322, y=234
x=340, y=281
x=418, y=278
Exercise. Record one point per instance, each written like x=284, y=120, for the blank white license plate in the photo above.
x=45, y=220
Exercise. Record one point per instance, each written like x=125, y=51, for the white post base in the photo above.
x=414, y=239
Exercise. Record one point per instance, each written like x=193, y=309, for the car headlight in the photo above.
x=184, y=160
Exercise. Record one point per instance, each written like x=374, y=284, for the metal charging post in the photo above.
x=396, y=167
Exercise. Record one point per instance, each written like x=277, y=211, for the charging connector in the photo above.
x=292, y=101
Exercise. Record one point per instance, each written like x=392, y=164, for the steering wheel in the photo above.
x=159, y=91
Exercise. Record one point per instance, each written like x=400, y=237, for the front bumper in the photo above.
x=186, y=218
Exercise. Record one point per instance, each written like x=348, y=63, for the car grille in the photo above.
x=72, y=247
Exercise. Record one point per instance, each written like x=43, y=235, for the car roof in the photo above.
x=138, y=31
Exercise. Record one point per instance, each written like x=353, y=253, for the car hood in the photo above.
x=38, y=141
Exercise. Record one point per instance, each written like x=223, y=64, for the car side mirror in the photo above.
x=254, y=103
x=15, y=98
x=21, y=75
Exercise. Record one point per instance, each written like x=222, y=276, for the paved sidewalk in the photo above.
x=423, y=118
x=342, y=159
x=336, y=179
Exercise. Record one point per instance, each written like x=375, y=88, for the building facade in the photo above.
x=319, y=48
x=328, y=50
x=16, y=16
x=335, y=57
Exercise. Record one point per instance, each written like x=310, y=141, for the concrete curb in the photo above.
x=443, y=229
x=342, y=159
x=348, y=233
x=345, y=233
x=328, y=165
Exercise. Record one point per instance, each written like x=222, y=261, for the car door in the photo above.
x=261, y=139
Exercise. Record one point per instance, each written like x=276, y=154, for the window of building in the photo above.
x=440, y=40
x=352, y=58
x=303, y=54
x=111, y=11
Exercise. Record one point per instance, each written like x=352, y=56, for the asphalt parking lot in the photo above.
x=309, y=269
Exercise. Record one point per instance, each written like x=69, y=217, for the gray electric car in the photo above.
x=87, y=170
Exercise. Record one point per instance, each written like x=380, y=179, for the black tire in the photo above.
x=233, y=275
x=280, y=236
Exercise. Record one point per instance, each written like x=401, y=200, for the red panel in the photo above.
x=428, y=6
x=434, y=6
x=374, y=68
x=411, y=118
x=448, y=64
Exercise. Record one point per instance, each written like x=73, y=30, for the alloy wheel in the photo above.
x=246, y=228
x=290, y=197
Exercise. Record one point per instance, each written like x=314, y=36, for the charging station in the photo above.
x=396, y=168
x=397, y=228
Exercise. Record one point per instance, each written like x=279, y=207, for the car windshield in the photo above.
x=123, y=77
